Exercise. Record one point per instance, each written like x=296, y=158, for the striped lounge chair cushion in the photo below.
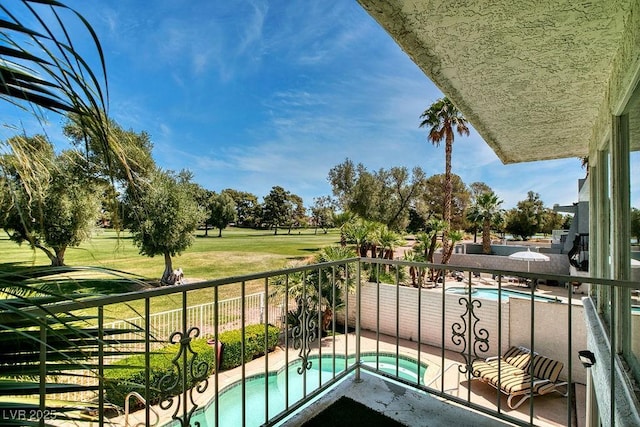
x=547, y=369
x=510, y=379
x=517, y=357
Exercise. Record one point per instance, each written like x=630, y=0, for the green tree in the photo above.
x=276, y=209
x=527, y=218
x=298, y=216
x=322, y=213
x=343, y=179
x=222, y=211
x=551, y=220
x=384, y=196
x=135, y=161
x=635, y=224
x=475, y=189
x=49, y=202
x=163, y=217
x=431, y=204
x=403, y=189
x=134, y=149
x=427, y=241
x=246, y=206
x=42, y=67
x=484, y=210
x=442, y=119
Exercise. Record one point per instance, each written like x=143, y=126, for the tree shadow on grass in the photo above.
x=69, y=280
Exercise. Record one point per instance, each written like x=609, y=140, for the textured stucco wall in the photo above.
x=624, y=70
x=533, y=77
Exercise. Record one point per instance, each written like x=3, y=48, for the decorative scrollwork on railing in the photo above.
x=305, y=332
x=462, y=333
x=188, y=370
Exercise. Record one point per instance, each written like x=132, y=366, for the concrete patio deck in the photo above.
x=408, y=406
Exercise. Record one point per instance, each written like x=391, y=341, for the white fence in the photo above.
x=163, y=324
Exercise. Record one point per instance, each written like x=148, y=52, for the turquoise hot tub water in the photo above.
x=230, y=399
x=492, y=294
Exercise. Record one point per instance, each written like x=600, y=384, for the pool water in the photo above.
x=230, y=400
x=492, y=294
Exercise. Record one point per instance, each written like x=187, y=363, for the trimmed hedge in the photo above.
x=128, y=374
x=254, y=344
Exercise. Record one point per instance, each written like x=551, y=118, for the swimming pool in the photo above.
x=492, y=294
x=230, y=408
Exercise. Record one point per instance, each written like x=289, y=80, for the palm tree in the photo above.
x=318, y=290
x=341, y=220
x=388, y=240
x=485, y=209
x=360, y=233
x=417, y=273
x=443, y=118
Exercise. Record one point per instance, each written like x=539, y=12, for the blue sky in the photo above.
x=252, y=94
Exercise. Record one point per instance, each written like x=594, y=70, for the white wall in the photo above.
x=550, y=319
x=551, y=333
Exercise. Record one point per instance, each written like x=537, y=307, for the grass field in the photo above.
x=237, y=252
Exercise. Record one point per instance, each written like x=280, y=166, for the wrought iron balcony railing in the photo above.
x=334, y=320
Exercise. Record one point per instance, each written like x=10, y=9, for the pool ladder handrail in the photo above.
x=141, y=399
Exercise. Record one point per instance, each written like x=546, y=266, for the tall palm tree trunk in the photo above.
x=486, y=236
x=448, y=190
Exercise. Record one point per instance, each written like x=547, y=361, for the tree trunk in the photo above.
x=206, y=230
x=486, y=237
x=168, y=269
x=220, y=232
x=60, y=256
x=53, y=257
x=432, y=248
x=447, y=195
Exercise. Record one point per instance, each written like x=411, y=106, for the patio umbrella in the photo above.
x=529, y=257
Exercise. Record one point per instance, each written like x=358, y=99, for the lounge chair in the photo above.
x=512, y=373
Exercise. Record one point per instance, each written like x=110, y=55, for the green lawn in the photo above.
x=239, y=251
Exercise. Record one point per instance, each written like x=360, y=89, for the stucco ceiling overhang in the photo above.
x=530, y=76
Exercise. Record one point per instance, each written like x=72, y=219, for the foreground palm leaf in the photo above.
x=55, y=76
x=43, y=351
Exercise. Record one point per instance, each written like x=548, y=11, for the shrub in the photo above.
x=128, y=374
x=254, y=344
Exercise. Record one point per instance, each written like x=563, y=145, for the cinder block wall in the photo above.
x=485, y=324
x=379, y=313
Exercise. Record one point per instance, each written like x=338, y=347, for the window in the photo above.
x=631, y=319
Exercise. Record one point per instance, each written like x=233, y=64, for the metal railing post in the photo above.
x=358, y=310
